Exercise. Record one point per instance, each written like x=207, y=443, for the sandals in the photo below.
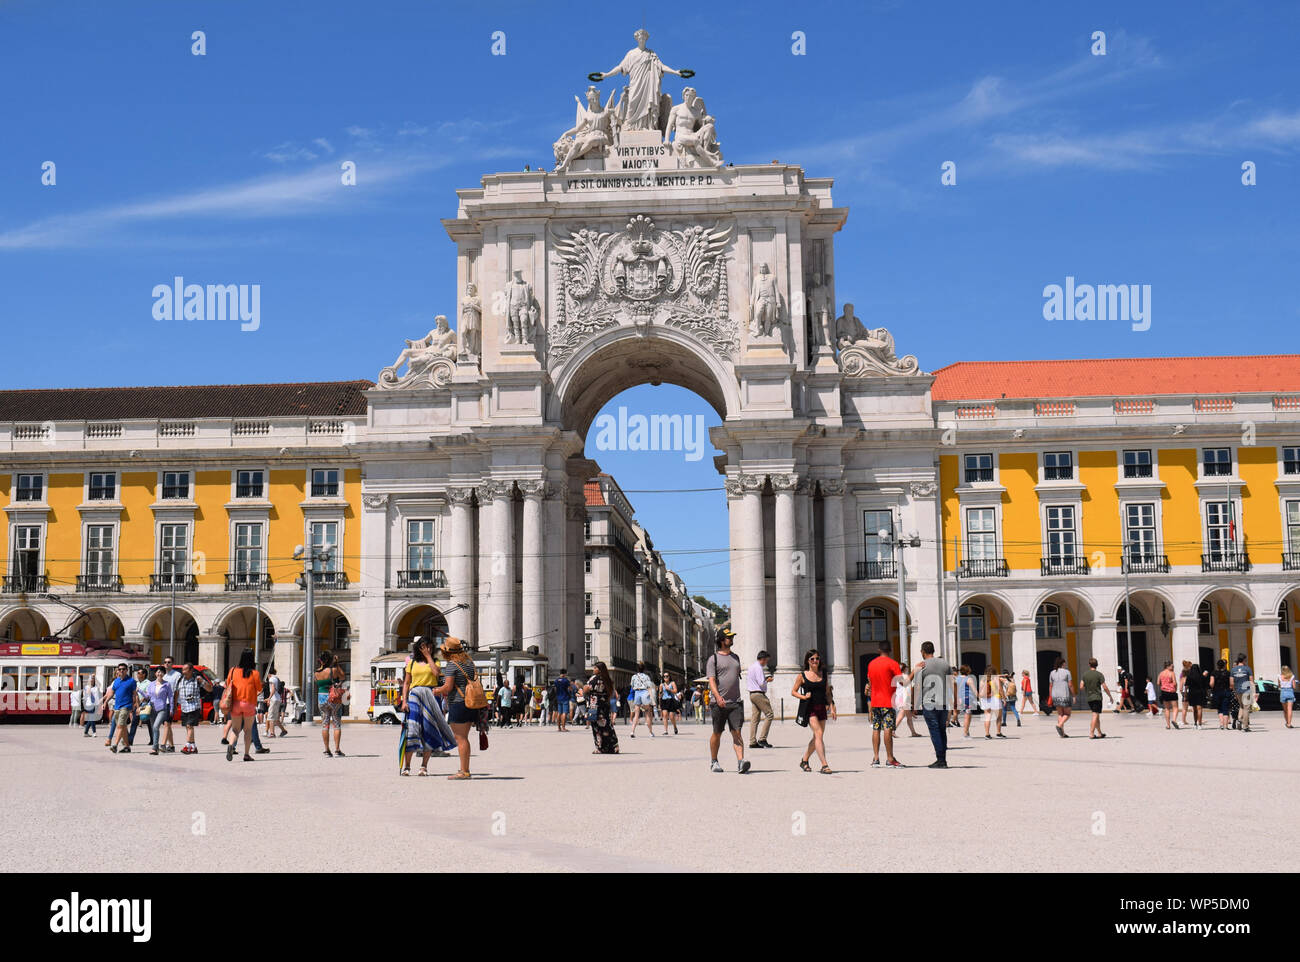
x=805, y=766
x=328, y=752
x=826, y=770
x=424, y=773
x=458, y=777
x=404, y=772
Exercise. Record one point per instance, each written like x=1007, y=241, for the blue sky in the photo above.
x=224, y=169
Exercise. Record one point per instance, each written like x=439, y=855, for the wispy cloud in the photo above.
x=297, y=194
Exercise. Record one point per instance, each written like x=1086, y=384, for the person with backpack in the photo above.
x=329, y=698
x=465, y=700
x=274, y=705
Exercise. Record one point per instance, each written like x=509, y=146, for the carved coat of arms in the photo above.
x=641, y=276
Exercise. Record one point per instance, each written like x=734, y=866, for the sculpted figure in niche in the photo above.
x=521, y=315
x=644, y=105
x=420, y=355
x=764, y=303
x=853, y=333
x=471, y=319
x=820, y=312
x=590, y=135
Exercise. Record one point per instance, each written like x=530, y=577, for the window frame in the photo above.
x=1137, y=476
x=1229, y=464
x=1056, y=467
x=18, y=488
x=995, y=531
x=234, y=484
x=964, y=621
x=1073, y=531
x=992, y=468
x=1043, y=620
x=1126, y=529
x=430, y=546
x=882, y=617
x=90, y=486
x=1289, y=467
x=114, y=543
x=160, y=569
x=311, y=482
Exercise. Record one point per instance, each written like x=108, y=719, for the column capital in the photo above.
x=460, y=495
x=491, y=490
x=532, y=488
x=832, y=487
x=782, y=483
x=743, y=484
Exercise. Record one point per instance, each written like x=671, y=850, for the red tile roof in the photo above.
x=595, y=496
x=1117, y=377
x=319, y=398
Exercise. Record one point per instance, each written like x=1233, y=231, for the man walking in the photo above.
x=756, y=681
x=190, y=698
x=723, y=670
x=125, y=700
x=933, y=674
x=881, y=675
x=1243, y=683
x=563, y=692
x=172, y=676
x=1094, y=683
x=505, y=699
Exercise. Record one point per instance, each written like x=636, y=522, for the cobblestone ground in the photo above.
x=540, y=801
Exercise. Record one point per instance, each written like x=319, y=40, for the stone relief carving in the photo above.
x=832, y=487
x=645, y=275
x=375, y=501
x=489, y=491
x=430, y=361
x=460, y=495
x=784, y=482
x=923, y=489
x=864, y=353
x=532, y=488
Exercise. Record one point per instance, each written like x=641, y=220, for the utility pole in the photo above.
x=911, y=540
x=308, y=580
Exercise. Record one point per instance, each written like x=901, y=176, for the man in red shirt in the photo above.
x=881, y=673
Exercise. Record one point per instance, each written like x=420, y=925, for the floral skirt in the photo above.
x=602, y=730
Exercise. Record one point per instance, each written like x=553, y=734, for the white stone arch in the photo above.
x=1082, y=599
x=1236, y=591
x=221, y=617
x=9, y=613
x=402, y=610
x=1270, y=609
x=154, y=611
x=624, y=358
x=1111, y=612
x=300, y=614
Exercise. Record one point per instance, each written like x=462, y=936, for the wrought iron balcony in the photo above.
x=1063, y=565
x=1225, y=561
x=248, y=490
x=327, y=581
x=18, y=584
x=166, y=582
x=873, y=570
x=983, y=568
x=1291, y=561
x=248, y=581
x=421, y=578
x=1146, y=564
x=99, y=582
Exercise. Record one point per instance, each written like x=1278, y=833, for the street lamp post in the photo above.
x=171, y=576
x=310, y=556
x=911, y=540
x=1128, y=613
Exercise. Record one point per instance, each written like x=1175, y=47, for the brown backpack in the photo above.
x=475, y=696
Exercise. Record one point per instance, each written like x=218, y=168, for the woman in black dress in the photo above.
x=818, y=698
x=597, y=691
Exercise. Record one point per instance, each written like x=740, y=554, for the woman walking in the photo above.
x=242, y=687
x=1221, y=694
x=1060, y=686
x=274, y=705
x=1168, y=683
x=598, y=691
x=1286, y=693
x=991, y=701
x=965, y=698
x=1027, y=692
x=817, y=698
x=902, y=702
x=426, y=727
x=641, y=699
x=91, y=703
x=668, y=706
x=460, y=676
x=329, y=678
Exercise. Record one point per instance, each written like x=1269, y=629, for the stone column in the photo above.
x=371, y=612
x=1105, y=648
x=1185, y=645
x=211, y=651
x=575, y=582
x=459, y=563
x=1024, y=652
x=533, y=594
x=751, y=601
x=787, y=598
x=555, y=571
x=496, y=564
x=1266, y=647
x=837, y=626
x=806, y=568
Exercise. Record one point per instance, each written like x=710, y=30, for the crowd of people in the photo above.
x=443, y=698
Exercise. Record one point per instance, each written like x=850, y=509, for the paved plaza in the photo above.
x=1142, y=799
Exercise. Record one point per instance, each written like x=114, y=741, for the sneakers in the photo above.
x=755, y=745
x=763, y=743
x=262, y=751
x=715, y=766
x=1000, y=735
x=230, y=751
x=894, y=763
x=875, y=763
x=225, y=741
x=742, y=767
x=937, y=764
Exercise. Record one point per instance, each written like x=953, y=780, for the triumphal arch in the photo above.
x=644, y=256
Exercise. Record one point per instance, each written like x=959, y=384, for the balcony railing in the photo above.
x=1145, y=564
x=166, y=582
x=248, y=581
x=328, y=581
x=873, y=570
x=983, y=568
x=248, y=491
x=421, y=578
x=1291, y=561
x=99, y=582
x=1225, y=561
x=18, y=584
x=1063, y=565
x=325, y=489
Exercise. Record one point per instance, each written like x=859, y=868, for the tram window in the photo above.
x=49, y=678
x=9, y=678
x=30, y=678
x=84, y=675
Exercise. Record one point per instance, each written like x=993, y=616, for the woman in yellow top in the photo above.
x=426, y=727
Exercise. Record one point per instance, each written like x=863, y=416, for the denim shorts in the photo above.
x=1286, y=694
x=460, y=715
